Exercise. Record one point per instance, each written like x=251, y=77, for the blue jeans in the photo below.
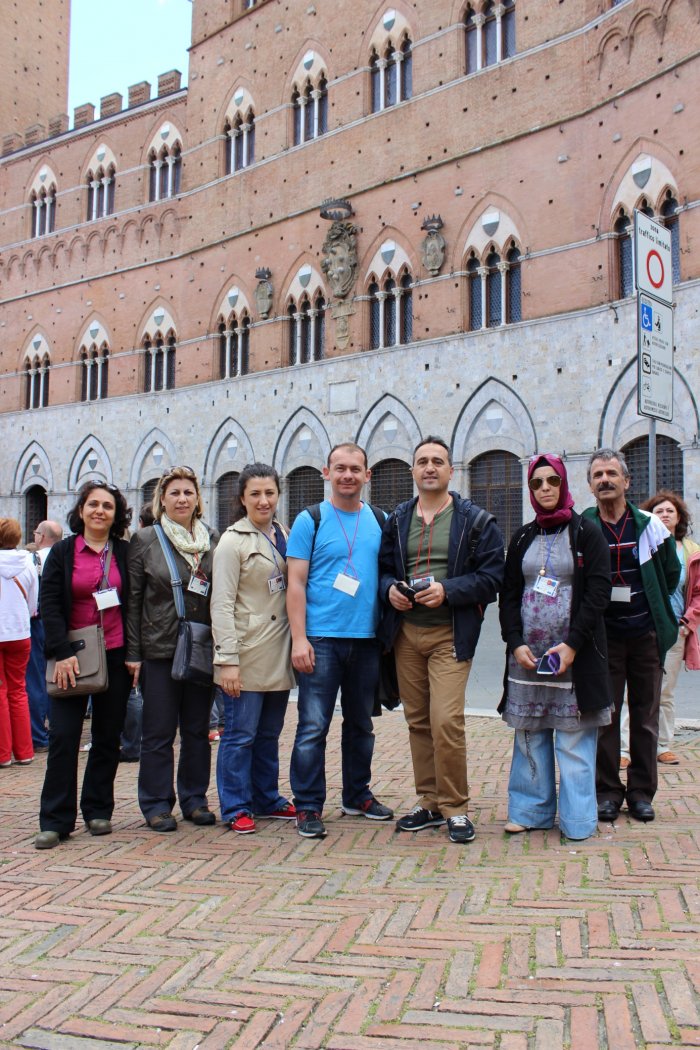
x=36, y=685
x=532, y=791
x=351, y=665
x=247, y=765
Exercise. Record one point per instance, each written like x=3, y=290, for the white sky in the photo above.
x=115, y=44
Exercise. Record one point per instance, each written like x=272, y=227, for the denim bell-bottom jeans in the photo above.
x=350, y=665
x=247, y=763
x=532, y=791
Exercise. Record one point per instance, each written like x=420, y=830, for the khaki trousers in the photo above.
x=432, y=685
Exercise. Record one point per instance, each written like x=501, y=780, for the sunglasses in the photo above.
x=553, y=480
x=173, y=470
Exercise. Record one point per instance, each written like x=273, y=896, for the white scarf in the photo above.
x=191, y=545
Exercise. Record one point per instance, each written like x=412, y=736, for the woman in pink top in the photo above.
x=18, y=594
x=76, y=570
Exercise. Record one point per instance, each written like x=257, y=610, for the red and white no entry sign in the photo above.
x=655, y=268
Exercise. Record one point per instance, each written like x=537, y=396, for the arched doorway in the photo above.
x=304, y=487
x=35, y=510
x=495, y=482
x=226, y=499
x=669, y=467
x=391, y=483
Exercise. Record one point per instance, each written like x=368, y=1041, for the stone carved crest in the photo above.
x=263, y=292
x=433, y=244
x=339, y=261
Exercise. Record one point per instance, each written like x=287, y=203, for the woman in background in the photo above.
x=18, y=596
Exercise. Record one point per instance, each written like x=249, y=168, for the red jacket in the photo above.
x=691, y=616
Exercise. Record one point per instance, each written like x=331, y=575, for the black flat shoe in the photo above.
x=49, y=839
x=608, y=811
x=99, y=826
x=641, y=810
x=162, y=822
x=202, y=817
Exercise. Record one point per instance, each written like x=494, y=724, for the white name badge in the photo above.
x=106, y=599
x=546, y=585
x=276, y=583
x=621, y=594
x=346, y=584
x=198, y=586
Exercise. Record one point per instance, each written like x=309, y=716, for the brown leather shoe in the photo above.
x=667, y=758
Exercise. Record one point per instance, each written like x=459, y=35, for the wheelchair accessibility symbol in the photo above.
x=647, y=317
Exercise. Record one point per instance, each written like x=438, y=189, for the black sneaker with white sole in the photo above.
x=371, y=808
x=460, y=829
x=310, y=825
x=420, y=818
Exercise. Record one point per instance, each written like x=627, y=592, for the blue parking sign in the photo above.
x=647, y=316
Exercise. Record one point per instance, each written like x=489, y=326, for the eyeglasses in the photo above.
x=171, y=470
x=553, y=480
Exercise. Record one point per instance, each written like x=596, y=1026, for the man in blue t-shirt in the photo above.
x=333, y=607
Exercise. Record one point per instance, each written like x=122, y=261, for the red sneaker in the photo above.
x=243, y=823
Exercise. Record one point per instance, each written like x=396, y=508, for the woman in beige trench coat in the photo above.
x=252, y=653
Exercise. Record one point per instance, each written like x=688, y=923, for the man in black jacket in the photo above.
x=440, y=563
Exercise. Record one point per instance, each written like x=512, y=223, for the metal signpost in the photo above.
x=654, y=280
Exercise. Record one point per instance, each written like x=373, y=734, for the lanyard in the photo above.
x=105, y=557
x=430, y=534
x=619, y=578
x=351, y=546
x=278, y=568
x=550, y=547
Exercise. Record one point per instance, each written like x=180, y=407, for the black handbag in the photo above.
x=194, y=653
x=193, y=660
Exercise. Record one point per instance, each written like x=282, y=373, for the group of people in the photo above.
x=590, y=605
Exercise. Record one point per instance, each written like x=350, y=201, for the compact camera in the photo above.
x=410, y=592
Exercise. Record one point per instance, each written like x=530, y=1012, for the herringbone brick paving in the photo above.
x=367, y=940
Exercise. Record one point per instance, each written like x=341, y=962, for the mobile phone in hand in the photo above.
x=549, y=664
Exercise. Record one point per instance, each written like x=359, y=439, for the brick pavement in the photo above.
x=367, y=940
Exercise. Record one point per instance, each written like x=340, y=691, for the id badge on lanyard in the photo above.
x=106, y=599
x=346, y=584
x=276, y=583
x=198, y=585
x=546, y=585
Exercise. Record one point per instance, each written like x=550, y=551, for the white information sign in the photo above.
x=654, y=358
x=652, y=257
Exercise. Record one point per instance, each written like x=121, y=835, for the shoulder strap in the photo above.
x=480, y=522
x=22, y=589
x=175, y=579
x=315, y=513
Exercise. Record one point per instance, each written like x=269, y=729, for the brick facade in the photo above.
x=529, y=158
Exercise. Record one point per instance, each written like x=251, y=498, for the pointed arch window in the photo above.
x=240, y=142
x=159, y=363
x=391, y=75
x=476, y=309
x=494, y=290
x=43, y=206
x=226, y=499
x=94, y=381
x=513, y=287
x=36, y=378
x=494, y=287
x=100, y=186
x=164, y=173
x=307, y=329
x=391, y=311
x=625, y=265
x=234, y=346
x=310, y=107
x=669, y=217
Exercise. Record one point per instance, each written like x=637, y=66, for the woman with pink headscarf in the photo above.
x=557, y=691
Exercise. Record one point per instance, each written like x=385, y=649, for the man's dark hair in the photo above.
x=353, y=448
x=431, y=439
x=146, y=516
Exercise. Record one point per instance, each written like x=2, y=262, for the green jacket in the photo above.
x=660, y=569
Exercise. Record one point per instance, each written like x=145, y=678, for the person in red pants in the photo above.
x=18, y=596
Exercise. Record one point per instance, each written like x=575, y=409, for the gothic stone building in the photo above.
x=359, y=221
